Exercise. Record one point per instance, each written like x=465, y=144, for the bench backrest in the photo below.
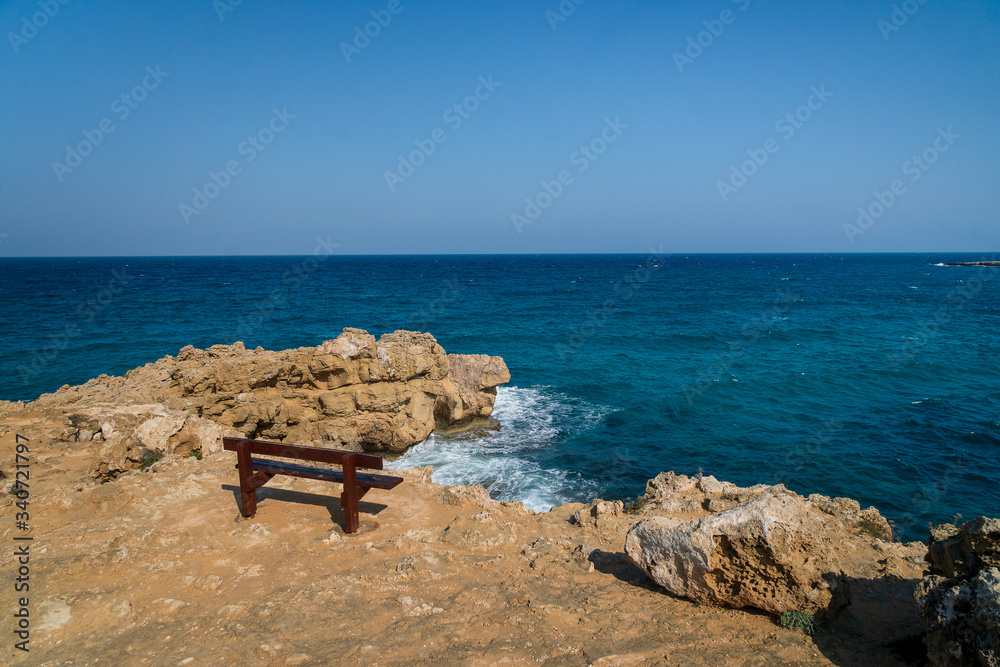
x=317, y=454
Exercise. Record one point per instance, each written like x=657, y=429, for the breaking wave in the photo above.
x=511, y=462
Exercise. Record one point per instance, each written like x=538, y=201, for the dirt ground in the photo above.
x=158, y=568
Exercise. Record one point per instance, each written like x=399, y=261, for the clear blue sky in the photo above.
x=657, y=184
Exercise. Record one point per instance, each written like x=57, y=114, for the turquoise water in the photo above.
x=870, y=376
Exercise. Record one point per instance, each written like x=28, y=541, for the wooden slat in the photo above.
x=303, y=453
x=322, y=474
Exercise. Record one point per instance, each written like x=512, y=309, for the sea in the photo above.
x=860, y=375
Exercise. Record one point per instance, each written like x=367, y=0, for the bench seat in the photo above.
x=366, y=480
x=256, y=472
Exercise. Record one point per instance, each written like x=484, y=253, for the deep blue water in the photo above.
x=870, y=376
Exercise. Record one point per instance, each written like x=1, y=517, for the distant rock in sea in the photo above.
x=982, y=263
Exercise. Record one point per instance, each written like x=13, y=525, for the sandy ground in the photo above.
x=158, y=568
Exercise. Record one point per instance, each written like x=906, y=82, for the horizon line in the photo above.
x=505, y=254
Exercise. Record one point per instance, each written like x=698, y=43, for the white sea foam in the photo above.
x=532, y=420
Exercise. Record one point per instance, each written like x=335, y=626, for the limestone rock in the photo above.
x=961, y=552
x=959, y=602
x=417, y=474
x=668, y=484
x=460, y=495
x=710, y=486
x=597, y=512
x=962, y=618
x=199, y=435
x=154, y=433
x=849, y=512
x=133, y=435
x=351, y=344
x=469, y=390
x=774, y=552
x=669, y=493
x=680, y=491
x=355, y=392
x=405, y=355
x=10, y=406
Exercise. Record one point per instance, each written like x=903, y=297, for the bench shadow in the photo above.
x=330, y=502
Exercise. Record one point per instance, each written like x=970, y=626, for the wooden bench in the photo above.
x=256, y=472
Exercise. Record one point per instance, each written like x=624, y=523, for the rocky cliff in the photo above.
x=959, y=601
x=354, y=392
x=139, y=554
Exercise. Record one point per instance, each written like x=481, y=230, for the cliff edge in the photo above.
x=353, y=392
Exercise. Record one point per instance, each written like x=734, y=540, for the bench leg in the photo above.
x=350, y=496
x=249, y=481
x=248, y=491
x=248, y=503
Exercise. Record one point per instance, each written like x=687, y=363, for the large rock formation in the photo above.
x=960, y=553
x=773, y=553
x=128, y=437
x=679, y=494
x=959, y=602
x=762, y=547
x=354, y=392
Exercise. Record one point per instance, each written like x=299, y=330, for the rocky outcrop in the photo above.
x=598, y=513
x=959, y=602
x=354, y=392
x=760, y=546
x=959, y=553
x=669, y=493
x=134, y=436
x=773, y=552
